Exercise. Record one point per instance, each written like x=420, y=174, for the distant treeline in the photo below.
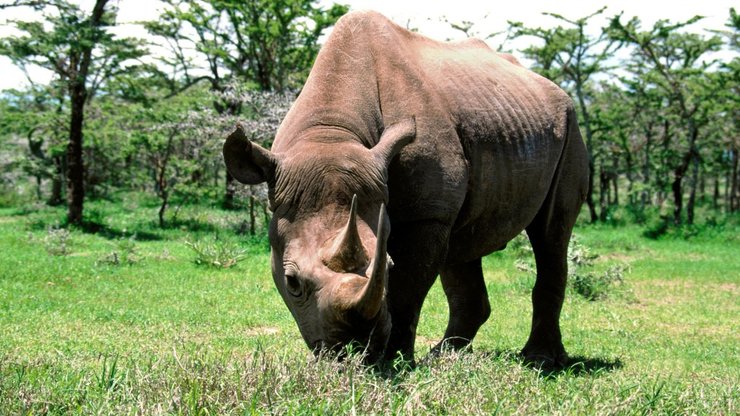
x=127, y=114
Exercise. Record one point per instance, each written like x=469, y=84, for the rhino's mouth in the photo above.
x=370, y=344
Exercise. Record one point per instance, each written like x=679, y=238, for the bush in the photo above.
x=218, y=253
x=57, y=241
x=594, y=286
x=581, y=278
x=125, y=253
x=657, y=226
x=589, y=284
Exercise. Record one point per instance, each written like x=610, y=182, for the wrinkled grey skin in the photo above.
x=464, y=147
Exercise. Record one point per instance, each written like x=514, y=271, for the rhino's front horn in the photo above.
x=370, y=298
x=346, y=254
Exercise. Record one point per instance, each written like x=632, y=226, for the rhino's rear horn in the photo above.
x=346, y=254
x=370, y=297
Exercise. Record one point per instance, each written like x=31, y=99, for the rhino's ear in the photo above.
x=248, y=162
x=394, y=138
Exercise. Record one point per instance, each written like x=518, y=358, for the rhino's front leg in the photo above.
x=418, y=250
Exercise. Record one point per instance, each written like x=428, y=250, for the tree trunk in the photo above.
x=590, y=194
x=715, y=197
x=677, y=196
x=603, y=193
x=726, y=191
x=75, y=164
x=616, y=188
x=645, y=196
x=252, y=214
x=79, y=63
x=734, y=197
x=589, y=148
x=229, y=192
x=57, y=182
x=663, y=168
x=163, y=186
x=692, y=193
x=162, y=208
x=692, y=157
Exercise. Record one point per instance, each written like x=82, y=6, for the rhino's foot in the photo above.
x=545, y=358
x=451, y=344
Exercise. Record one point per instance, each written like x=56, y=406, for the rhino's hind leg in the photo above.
x=468, y=302
x=549, y=234
x=544, y=346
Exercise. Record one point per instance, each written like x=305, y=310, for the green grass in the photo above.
x=79, y=334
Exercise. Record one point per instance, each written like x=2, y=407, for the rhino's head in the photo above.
x=329, y=232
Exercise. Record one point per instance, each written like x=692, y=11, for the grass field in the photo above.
x=99, y=323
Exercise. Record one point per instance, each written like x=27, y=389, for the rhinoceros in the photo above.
x=404, y=159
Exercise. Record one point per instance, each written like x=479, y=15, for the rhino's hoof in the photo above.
x=543, y=359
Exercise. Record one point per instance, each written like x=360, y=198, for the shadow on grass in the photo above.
x=576, y=366
x=579, y=365
x=92, y=227
x=192, y=225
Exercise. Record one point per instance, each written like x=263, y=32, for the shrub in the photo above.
x=657, y=226
x=125, y=253
x=217, y=253
x=57, y=241
x=589, y=284
x=581, y=278
x=595, y=286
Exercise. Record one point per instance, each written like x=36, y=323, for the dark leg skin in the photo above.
x=545, y=346
x=549, y=234
x=418, y=250
x=468, y=301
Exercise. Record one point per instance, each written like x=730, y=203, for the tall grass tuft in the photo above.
x=125, y=253
x=216, y=253
x=57, y=241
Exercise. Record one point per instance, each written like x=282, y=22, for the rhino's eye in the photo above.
x=293, y=284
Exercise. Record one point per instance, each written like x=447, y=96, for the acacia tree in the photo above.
x=571, y=58
x=267, y=45
x=79, y=49
x=679, y=71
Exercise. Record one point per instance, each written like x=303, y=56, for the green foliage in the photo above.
x=216, y=253
x=592, y=285
x=657, y=226
x=65, y=34
x=268, y=44
x=125, y=253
